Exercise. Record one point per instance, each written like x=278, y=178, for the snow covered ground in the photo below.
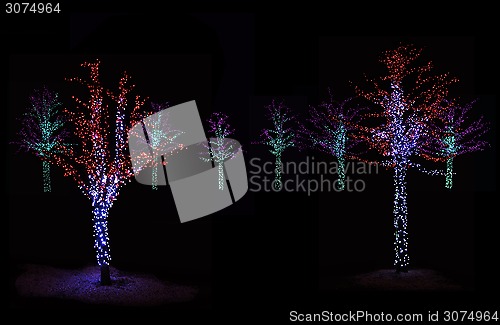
x=83, y=285
x=389, y=280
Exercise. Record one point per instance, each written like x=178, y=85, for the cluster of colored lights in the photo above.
x=330, y=129
x=407, y=114
x=99, y=171
x=417, y=121
x=454, y=134
x=280, y=137
x=43, y=130
x=222, y=148
x=450, y=150
x=161, y=141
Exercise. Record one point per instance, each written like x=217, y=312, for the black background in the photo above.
x=271, y=252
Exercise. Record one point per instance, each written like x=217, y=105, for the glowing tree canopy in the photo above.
x=455, y=135
x=160, y=140
x=100, y=163
x=279, y=137
x=410, y=98
x=330, y=129
x=222, y=148
x=42, y=130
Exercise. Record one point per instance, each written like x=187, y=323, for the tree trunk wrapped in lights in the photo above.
x=221, y=148
x=43, y=130
x=101, y=168
x=410, y=99
x=457, y=134
x=331, y=128
x=280, y=137
x=161, y=141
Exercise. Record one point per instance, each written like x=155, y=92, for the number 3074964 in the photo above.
x=32, y=8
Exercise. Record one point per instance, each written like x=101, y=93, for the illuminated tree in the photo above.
x=330, y=129
x=42, y=130
x=280, y=137
x=457, y=135
x=160, y=141
x=410, y=98
x=99, y=167
x=222, y=148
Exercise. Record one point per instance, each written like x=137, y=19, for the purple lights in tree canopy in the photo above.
x=412, y=103
x=455, y=134
x=220, y=149
x=409, y=120
x=330, y=128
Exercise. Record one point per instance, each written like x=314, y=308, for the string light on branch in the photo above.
x=101, y=168
x=221, y=148
x=43, y=130
x=330, y=128
x=161, y=141
x=409, y=99
x=453, y=134
x=280, y=137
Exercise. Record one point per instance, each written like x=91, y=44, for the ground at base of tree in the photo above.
x=389, y=280
x=127, y=289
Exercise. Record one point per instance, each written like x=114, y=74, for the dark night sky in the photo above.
x=268, y=248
